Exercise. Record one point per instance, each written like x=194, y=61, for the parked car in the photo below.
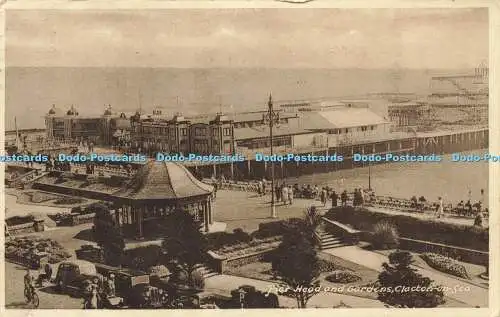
x=72, y=275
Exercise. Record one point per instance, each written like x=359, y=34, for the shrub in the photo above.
x=325, y=266
x=343, y=277
x=385, y=236
x=68, y=201
x=197, y=281
x=18, y=220
x=399, y=273
x=53, y=259
x=445, y=264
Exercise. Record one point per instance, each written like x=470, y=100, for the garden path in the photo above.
x=458, y=290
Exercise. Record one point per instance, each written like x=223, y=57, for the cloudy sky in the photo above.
x=288, y=38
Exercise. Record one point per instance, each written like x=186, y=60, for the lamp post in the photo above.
x=271, y=117
x=369, y=176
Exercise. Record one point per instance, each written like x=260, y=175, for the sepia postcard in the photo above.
x=252, y=157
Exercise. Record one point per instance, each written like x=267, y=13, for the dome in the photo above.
x=72, y=111
x=54, y=110
x=108, y=112
x=164, y=180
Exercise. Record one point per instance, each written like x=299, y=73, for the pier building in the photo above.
x=107, y=129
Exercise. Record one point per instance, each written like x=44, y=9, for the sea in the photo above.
x=31, y=91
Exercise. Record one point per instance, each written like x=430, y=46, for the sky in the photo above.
x=254, y=38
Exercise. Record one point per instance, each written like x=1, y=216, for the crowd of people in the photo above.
x=286, y=193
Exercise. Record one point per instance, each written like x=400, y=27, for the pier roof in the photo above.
x=341, y=118
x=263, y=132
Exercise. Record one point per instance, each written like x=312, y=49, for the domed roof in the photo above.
x=164, y=180
x=54, y=110
x=72, y=111
x=108, y=111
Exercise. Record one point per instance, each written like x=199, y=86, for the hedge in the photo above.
x=470, y=237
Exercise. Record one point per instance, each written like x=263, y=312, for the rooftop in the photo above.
x=263, y=132
x=340, y=118
x=165, y=181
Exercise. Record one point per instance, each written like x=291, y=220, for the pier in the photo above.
x=442, y=142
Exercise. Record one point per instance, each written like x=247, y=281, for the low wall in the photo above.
x=221, y=264
x=76, y=219
x=461, y=254
x=29, y=227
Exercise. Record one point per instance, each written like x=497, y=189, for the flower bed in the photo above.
x=253, y=246
x=68, y=201
x=343, y=277
x=327, y=266
x=26, y=250
x=445, y=264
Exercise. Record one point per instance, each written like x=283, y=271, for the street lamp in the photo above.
x=369, y=176
x=272, y=117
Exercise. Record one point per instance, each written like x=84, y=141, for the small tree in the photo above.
x=385, y=236
x=296, y=264
x=312, y=220
x=399, y=278
x=107, y=235
x=184, y=242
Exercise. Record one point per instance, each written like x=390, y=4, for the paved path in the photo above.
x=459, y=290
x=226, y=283
x=49, y=299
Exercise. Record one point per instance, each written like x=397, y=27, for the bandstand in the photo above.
x=158, y=189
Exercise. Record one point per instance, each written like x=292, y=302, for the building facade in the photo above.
x=108, y=129
x=157, y=133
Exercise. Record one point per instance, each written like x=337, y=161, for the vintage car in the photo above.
x=72, y=276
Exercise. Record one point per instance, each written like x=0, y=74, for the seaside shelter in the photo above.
x=157, y=190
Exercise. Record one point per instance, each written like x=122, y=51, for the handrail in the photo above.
x=340, y=225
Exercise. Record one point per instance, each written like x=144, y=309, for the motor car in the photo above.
x=72, y=276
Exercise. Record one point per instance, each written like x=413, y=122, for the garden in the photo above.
x=30, y=250
x=41, y=197
x=470, y=237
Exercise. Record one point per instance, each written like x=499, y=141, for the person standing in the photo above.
x=343, y=197
x=284, y=194
x=439, y=210
x=334, y=197
x=277, y=192
x=290, y=194
x=361, y=197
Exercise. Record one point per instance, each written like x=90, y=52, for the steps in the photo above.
x=328, y=240
x=205, y=271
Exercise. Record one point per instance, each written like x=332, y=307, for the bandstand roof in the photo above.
x=164, y=181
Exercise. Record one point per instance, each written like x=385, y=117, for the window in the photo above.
x=199, y=131
x=227, y=131
x=372, y=127
x=183, y=131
